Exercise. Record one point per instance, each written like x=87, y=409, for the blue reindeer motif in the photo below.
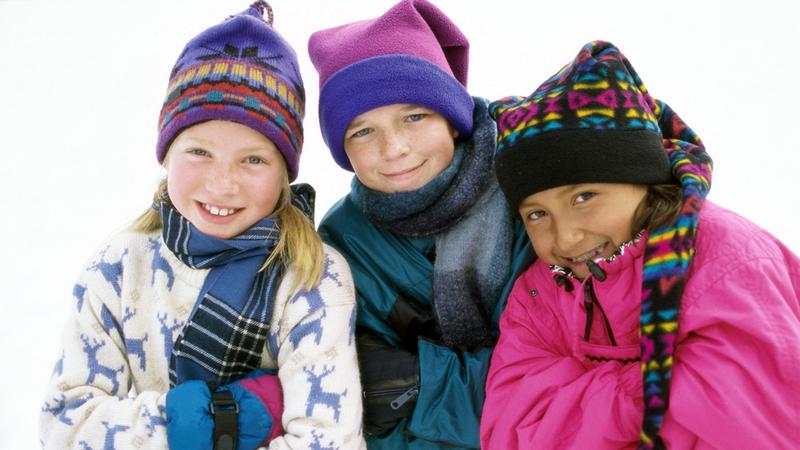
x=108, y=442
x=166, y=332
x=95, y=368
x=109, y=322
x=112, y=272
x=317, y=396
x=79, y=292
x=304, y=329
x=62, y=407
x=135, y=347
x=58, y=369
x=160, y=263
x=352, y=326
x=314, y=296
x=155, y=420
x=317, y=445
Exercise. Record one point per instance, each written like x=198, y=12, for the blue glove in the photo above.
x=190, y=423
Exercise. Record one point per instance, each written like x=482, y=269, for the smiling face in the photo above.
x=570, y=225
x=223, y=177
x=399, y=147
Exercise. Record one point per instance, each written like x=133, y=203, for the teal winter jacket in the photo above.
x=390, y=273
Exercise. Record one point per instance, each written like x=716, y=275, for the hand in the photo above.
x=190, y=423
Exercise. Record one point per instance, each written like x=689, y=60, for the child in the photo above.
x=653, y=317
x=181, y=323
x=426, y=231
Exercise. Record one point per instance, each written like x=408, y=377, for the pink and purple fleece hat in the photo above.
x=412, y=54
x=243, y=71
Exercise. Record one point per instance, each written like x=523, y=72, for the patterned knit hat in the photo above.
x=411, y=54
x=592, y=122
x=243, y=71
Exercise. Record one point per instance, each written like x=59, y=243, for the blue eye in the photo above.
x=416, y=117
x=254, y=160
x=361, y=133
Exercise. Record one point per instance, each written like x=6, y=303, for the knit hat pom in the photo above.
x=591, y=122
x=240, y=70
x=412, y=54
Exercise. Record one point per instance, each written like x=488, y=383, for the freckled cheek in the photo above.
x=182, y=181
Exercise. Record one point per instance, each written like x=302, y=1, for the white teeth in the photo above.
x=585, y=257
x=218, y=211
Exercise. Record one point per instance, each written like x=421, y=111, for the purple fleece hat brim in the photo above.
x=386, y=80
x=233, y=114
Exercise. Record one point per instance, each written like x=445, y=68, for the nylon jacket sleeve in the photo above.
x=89, y=402
x=736, y=376
x=538, y=395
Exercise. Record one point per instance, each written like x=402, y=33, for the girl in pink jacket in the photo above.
x=652, y=318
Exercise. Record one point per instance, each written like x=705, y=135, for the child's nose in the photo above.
x=568, y=235
x=395, y=145
x=223, y=180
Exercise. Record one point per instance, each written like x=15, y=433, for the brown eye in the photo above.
x=584, y=196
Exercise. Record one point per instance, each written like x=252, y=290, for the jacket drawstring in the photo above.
x=589, y=299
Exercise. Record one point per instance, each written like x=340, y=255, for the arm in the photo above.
x=87, y=404
x=317, y=365
x=736, y=377
x=538, y=395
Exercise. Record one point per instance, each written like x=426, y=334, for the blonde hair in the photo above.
x=658, y=208
x=298, y=244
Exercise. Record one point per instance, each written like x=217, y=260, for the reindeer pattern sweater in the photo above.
x=109, y=385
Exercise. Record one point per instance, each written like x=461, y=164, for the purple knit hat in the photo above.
x=413, y=54
x=243, y=71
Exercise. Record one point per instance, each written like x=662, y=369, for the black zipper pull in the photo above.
x=596, y=270
x=404, y=397
x=564, y=282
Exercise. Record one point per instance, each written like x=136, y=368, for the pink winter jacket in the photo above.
x=736, y=369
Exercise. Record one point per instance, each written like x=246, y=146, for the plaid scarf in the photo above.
x=668, y=255
x=225, y=334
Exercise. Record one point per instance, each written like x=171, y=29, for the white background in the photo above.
x=81, y=85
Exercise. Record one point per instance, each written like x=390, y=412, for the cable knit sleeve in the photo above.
x=317, y=363
x=90, y=401
x=540, y=395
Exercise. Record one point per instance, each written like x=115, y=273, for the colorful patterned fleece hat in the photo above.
x=411, y=54
x=243, y=71
x=612, y=130
x=592, y=122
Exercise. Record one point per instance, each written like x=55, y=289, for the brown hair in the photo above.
x=658, y=208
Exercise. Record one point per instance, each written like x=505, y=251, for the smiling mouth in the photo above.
x=403, y=172
x=217, y=211
x=586, y=256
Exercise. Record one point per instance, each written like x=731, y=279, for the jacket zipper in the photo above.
x=406, y=394
x=589, y=300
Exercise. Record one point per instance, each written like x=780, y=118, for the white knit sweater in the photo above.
x=108, y=389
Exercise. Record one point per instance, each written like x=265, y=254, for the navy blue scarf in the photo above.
x=225, y=335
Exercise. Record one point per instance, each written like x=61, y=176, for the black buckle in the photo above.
x=225, y=411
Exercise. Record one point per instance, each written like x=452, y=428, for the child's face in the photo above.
x=223, y=177
x=399, y=147
x=568, y=225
